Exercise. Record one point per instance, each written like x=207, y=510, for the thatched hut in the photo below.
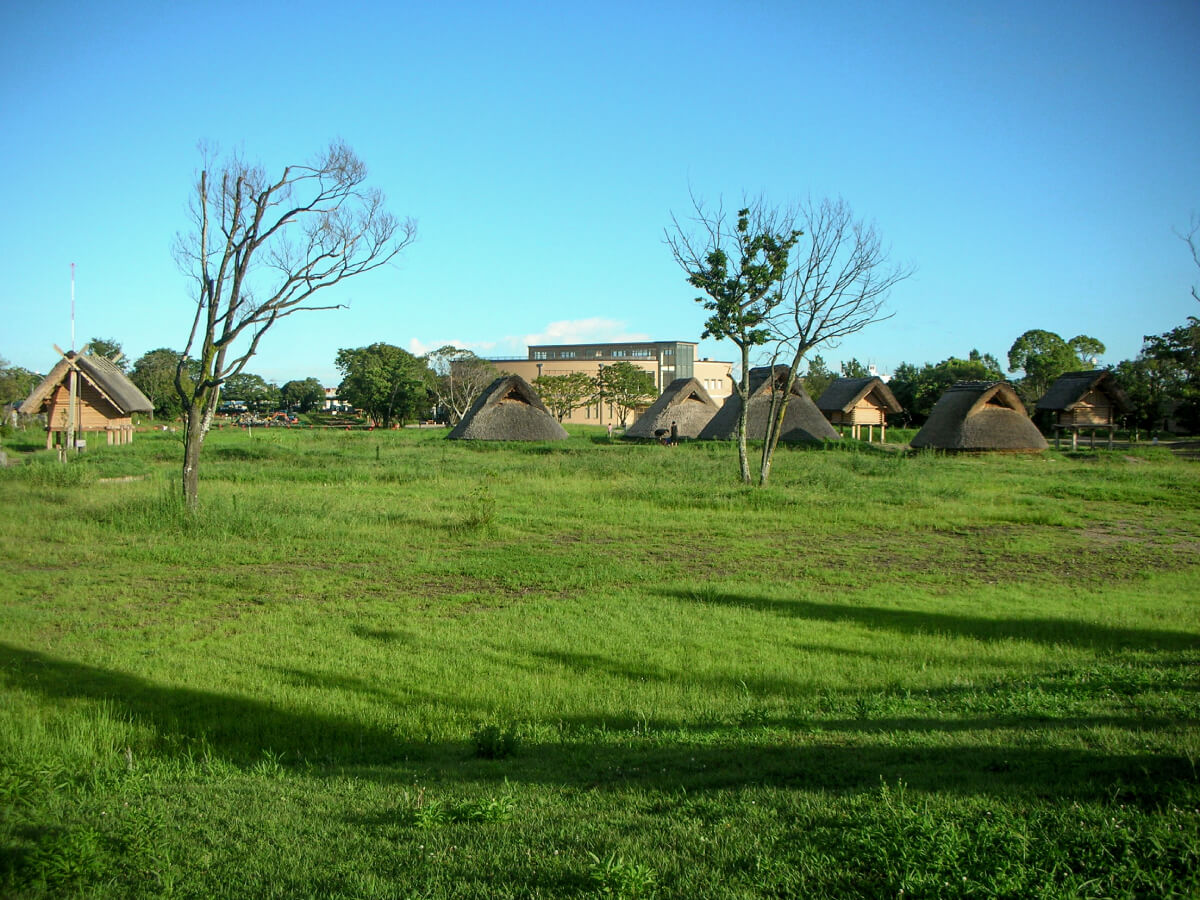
x=685, y=403
x=802, y=421
x=979, y=415
x=1084, y=401
x=104, y=400
x=859, y=402
x=509, y=410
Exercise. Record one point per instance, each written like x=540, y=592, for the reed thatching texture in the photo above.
x=802, y=422
x=843, y=394
x=979, y=415
x=120, y=395
x=509, y=410
x=1071, y=389
x=685, y=402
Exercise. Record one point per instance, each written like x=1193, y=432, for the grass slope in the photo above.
x=384, y=664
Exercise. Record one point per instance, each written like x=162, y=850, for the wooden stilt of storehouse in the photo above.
x=1084, y=401
x=85, y=394
x=859, y=403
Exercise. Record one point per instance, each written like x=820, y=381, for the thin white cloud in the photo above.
x=417, y=347
x=595, y=330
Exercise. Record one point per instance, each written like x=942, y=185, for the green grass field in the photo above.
x=388, y=665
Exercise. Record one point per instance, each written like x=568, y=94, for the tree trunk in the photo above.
x=744, y=392
x=197, y=421
x=775, y=423
x=193, y=440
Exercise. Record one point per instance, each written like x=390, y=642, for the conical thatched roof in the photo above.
x=1070, y=389
x=801, y=422
x=685, y=402
x=112, y=384
x=509, y=410
x=843, y=394
x=979, y=415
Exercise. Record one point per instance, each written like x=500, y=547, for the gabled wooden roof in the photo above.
x=843, y=394
x=1069, y=389
x=111, y=382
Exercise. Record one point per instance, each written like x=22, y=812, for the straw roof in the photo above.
x=111, y=382
x=801, y=422
x=979, y=415
x=1070, y=389
x=843, y=394
x=508, y=410
x=685, y=402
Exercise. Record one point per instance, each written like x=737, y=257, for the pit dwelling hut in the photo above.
x=685, y=402
x=802, y=422
x=508, y=410
x=1084, y=401
x=979, y=415
x=859, y=403
x=104, y=400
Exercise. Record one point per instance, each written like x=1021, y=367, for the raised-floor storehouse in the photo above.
x=666, y=361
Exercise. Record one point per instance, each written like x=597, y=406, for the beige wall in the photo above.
x=714, y=375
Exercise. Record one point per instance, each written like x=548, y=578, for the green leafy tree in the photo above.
x=625, y=387
x=256, y=392
x=818, y=377
x=110, y=349
x=261, y=249
x=304, y=396
x=739, y=266
x=1178, y=353
x=852, y=368
x=459, y=377
x=1154, y=388
x=1042, y=356
x=388, y=383
x=16, y=383
x=154, y=374
x=567, y=392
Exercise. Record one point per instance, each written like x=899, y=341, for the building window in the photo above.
x=539, y=354
x=567, y=354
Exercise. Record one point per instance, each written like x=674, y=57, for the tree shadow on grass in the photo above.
x=238, y=729
x=923, y=622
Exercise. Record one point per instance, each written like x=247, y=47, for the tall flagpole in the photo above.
x=72, y=381
x=72, y=307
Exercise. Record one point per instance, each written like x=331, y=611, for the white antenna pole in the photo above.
x=72, y=307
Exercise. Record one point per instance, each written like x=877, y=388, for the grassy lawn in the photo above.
x=382, y=664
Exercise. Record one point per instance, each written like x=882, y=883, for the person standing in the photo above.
x=674, y=434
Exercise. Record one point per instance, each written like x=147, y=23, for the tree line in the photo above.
x=788, y=278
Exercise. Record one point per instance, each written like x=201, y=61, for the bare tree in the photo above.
x=838, y=288
x=739, y=262
x=459, y=378
x=1192, y=239
x=260, y=251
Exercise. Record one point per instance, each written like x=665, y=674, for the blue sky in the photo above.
x=1030, y=159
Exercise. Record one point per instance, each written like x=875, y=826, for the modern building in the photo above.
x=664, y=360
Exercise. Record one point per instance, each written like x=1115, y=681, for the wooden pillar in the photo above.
x=1074, y=438
x=108, y=436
